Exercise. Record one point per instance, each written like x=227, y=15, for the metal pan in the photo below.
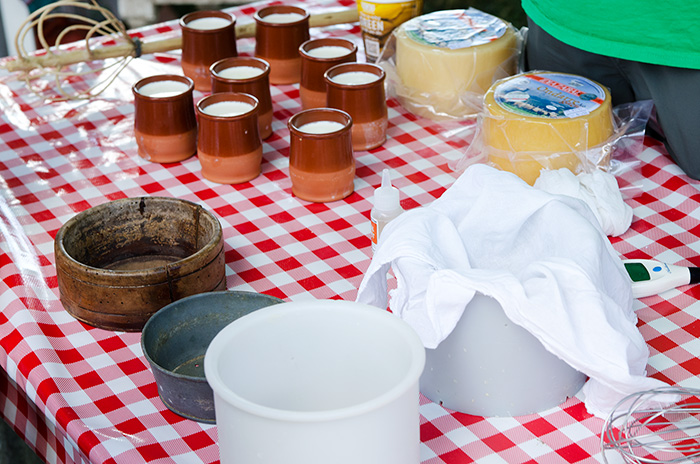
x=175, y=339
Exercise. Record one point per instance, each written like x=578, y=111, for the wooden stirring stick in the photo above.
x=53, y=59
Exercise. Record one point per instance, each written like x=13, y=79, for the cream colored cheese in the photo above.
x=447, y=60
x=545, y=120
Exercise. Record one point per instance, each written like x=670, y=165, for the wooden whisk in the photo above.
x=106, y=40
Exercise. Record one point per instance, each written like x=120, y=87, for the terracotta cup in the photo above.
x=229, y=146
x=358, y=89
x=321, y=159
x=165, y=125
x=317, y=57
x=245, y=74
x=207, y=37
x=278, y=42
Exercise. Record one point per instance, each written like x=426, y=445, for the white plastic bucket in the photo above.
x=489, y=366
x=315, y=383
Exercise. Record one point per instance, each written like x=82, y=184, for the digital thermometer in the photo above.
x=651, y=277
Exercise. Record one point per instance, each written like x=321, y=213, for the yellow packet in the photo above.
x=378, y=18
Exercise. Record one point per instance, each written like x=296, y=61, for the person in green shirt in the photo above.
x=639, y=49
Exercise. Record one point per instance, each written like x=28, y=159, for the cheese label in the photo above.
x=549, y=95
x=455, y=29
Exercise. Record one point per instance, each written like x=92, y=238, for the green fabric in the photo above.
x=649, y=31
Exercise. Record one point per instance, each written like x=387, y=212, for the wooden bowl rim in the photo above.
x=92, y=272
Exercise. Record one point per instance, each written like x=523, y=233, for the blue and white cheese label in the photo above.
x=550, y=95
x=455, y=29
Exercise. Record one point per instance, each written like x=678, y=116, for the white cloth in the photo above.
x=598, y=189
x=543, y=257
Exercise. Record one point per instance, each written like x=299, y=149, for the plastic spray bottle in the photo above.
x=386, y=207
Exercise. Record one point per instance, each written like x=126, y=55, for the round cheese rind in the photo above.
x=447, y=60
x=543, y=119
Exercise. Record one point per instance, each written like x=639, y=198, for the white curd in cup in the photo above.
x=355, y=78
x=321, y=127
x=328, y=51
x=227, y=108
x=281, y=18
x=161, y=89
x=208, y=23
x=239, y=72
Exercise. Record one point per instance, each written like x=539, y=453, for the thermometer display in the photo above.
x=651, y=277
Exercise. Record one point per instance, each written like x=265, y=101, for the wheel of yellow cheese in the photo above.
x=447, y=60
x=548, y=120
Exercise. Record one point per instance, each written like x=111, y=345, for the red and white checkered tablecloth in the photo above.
x=78, y=394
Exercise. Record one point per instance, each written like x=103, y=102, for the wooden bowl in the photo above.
x=120, y=262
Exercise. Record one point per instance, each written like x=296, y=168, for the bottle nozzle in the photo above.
x=386, y=178
x=386, y=197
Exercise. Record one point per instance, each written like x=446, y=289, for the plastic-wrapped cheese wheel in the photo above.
x=544, y=119
x=447, y=60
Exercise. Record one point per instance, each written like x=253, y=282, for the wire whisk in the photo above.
x=657, y=426
x=92, y=21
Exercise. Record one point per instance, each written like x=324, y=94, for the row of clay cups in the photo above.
x=331, y=77
x=223, y=132
x=356, y=88
x=210, y=36
x=282, y=42
x=222, y=129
